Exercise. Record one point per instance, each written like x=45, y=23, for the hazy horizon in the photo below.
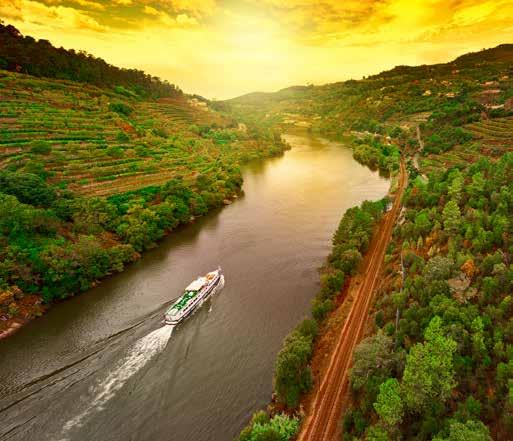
x=224, y=48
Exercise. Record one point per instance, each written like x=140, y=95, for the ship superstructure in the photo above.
x=195, y=294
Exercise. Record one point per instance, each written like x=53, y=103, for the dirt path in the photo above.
x=323, y=420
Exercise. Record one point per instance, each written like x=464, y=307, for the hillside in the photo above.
x=92, y=176
x=437, y=362
x=389, y=97
x=24, y=54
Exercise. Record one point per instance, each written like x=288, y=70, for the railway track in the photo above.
x=322, y=422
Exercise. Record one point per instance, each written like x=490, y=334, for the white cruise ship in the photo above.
x=194, y=296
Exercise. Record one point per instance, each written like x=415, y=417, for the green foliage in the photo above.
x=452, y=217
x=160, y=132
x=139, y=227
x=376, y=155
x=92, y=215
x=74, y=267
x=41, y=147
x=262, y=428
x=376, y=433
x=438, y=268
x=41, y=59
x=292, y=375
x=115, y=152
x=445, y=139
x=429, y=372
x=468, y=431
x=28, y=188
x=389, y=404
x=122, y=137
x=121, y=108
x=321, y=308
x=374, y=361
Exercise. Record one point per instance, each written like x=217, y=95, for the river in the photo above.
x=102, y=367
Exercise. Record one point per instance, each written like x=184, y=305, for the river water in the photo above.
x=102, y=367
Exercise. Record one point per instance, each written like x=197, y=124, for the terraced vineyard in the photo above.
x=458, y=156
x=74, y=134
x=496, y=135
x=91, y=177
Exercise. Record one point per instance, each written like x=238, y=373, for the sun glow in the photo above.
x=223, y=48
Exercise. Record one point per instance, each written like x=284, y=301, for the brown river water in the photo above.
x=102, y=367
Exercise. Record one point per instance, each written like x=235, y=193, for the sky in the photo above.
x=225, y=48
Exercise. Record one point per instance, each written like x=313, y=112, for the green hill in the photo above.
x=91, y=176
x=438, y=360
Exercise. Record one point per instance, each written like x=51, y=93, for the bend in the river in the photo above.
x=101, y=367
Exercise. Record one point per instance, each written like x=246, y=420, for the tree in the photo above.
x=429, y=373
x=376, y=433
x=469, y=431
x=456, y=188
x=28, y=188
x=292, y=375
x=140, y=227
x=373, y=357
x=438, y=268
x=422, y=224
x=279, y=428
x=452, y=217
x=345, y=260
x=478, y=343
x=91, y=215
x=389, y=404
x=331, y=283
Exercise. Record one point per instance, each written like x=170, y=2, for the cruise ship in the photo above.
x=194, y=296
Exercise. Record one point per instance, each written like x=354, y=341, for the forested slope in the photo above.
x=40, y=58
x=438, y=361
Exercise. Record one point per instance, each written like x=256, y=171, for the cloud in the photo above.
x=185, y=20
x=198, y=8
x=33, y=12
x=90, y=4
x=164, y=19
x=225, y=47
x=151, y=11
x=11, y=10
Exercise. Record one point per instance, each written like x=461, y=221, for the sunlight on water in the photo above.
x=142, y=352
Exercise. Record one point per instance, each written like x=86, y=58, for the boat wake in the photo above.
x=142, y=352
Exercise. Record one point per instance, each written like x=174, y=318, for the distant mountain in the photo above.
x=497, y=55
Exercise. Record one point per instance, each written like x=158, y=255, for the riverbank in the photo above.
x=270, y=244
x=343, y=330
x=18, y=308
x=344, y=285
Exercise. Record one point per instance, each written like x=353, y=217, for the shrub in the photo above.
x=120, y=108
x=321, y=308
x=292, y=375
x=122, y=137
x=41, y=147
x=160, y=132
x=28, y=188
x=115, y=152
x=262, y=428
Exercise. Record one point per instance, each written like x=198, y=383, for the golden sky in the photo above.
x=224, y=48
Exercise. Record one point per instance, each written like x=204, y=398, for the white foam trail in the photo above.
x=142, y=352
